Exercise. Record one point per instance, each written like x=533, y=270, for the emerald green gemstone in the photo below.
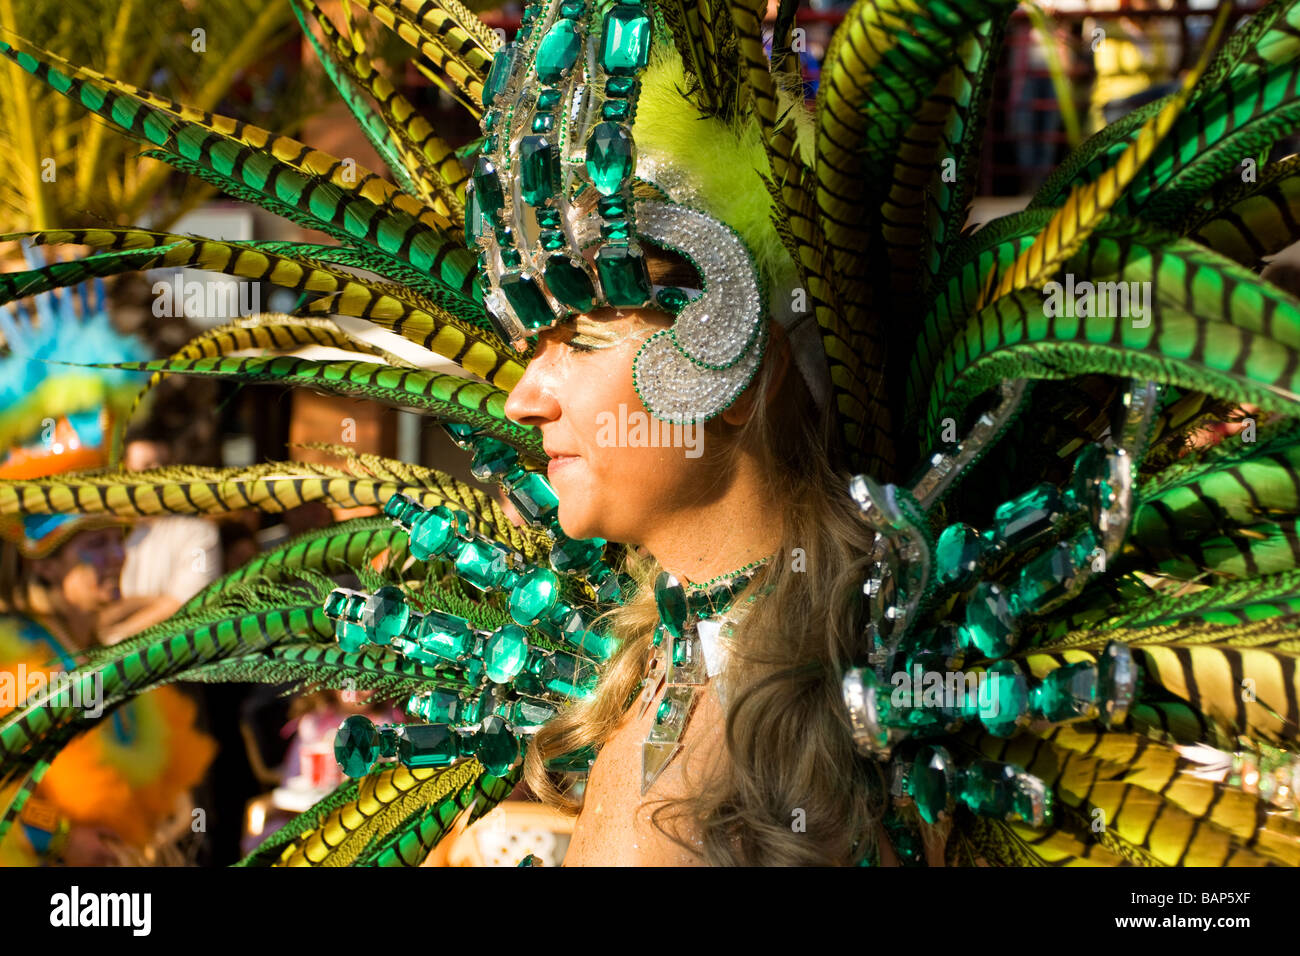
x=548, y=217
x=444, y=635
x=1004, y=698
x=1045, y=579
x=573, y=9
x=483, y=564
x=553, y=240
x=432, y=533
x=355, y=608
x=670, y=599
x=616, y=230
x=437, y=706
x=495, y=746
x=1067, y=693
x=570, y=283
x=492, y=458
x=612, y=207
x=989, y=788
x=563, y=673
x=533, y=497
x=1117, y=682
x=351, y=637
x=535, y=596
x=663, y=711
x=539, y=169
x=427, y=745
x=625, y=40
x=558, y=51
x=1088, y=469
x=510, y=257
x=672, y=300
x=335, y=603
x=548, y=99
x=990, y=621
x=660, y=631
x=623, y=275
x=530, y=713
x=608, y=587
x=529, y=305
x=609, y=157
x=576, y=760
x=543, y=123
x=576, y=556
x=1026, y=520
x=356, y=746
x=401, y=509
x=459, y=432
x=957, y=554
x=487, y=188
x=616, y=110
x=505, y=653
x=498, y=75
x=621, y=86
x=597, y=646
x=387, y=614
x=930, y=783
x=387, y=742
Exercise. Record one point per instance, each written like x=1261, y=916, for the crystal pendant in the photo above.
x=356, y=746
x=609, y=157
x=670, y=599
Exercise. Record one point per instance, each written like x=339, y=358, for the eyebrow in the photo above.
x=593, y=329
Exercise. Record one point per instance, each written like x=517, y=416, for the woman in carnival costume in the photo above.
x=947, y=581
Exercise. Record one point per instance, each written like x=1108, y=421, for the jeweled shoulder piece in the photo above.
x=559, y=222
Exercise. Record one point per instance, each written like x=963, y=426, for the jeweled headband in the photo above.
x=560, y=202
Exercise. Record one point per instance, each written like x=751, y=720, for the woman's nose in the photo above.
x=532, y=400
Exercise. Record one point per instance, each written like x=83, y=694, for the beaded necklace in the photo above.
x=689, y=648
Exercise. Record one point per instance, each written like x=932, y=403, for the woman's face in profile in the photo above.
x=616, y=470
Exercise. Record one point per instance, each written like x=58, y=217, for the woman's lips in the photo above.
x=558, y=462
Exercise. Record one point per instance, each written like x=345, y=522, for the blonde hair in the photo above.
x=788, y=747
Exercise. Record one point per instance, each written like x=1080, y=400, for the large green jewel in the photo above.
x=1024, y=521
x=506, y=653
x=990, y=622
x=427, y=745
x=1067, y=693
x=351, y=637
x=527, y=300
x=533, y=496
x=957, y=554
x=482, y=564
x=576, y=555
x=570, y=283
x=609, y=157
x=670, y=599
x=1053, y=574
x=444, y=635
x=437, y=706
x=386, y=615
x=625, y=40
x=475, y=222
x=989, y=788
x=432, y=533
x=930, y=783
x=623, y=275
x=401, y=509
x=487, y=188
x=492, y=458
x=1117, y=682
x=495, y=746
x=558, y=51
x=356, y=746
x=498, y=75
x=1003, y=699
x=539, y=169
x=566, y=674
x=535, y=596
x=530, y=713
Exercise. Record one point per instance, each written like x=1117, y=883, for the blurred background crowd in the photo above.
x=199, y=773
